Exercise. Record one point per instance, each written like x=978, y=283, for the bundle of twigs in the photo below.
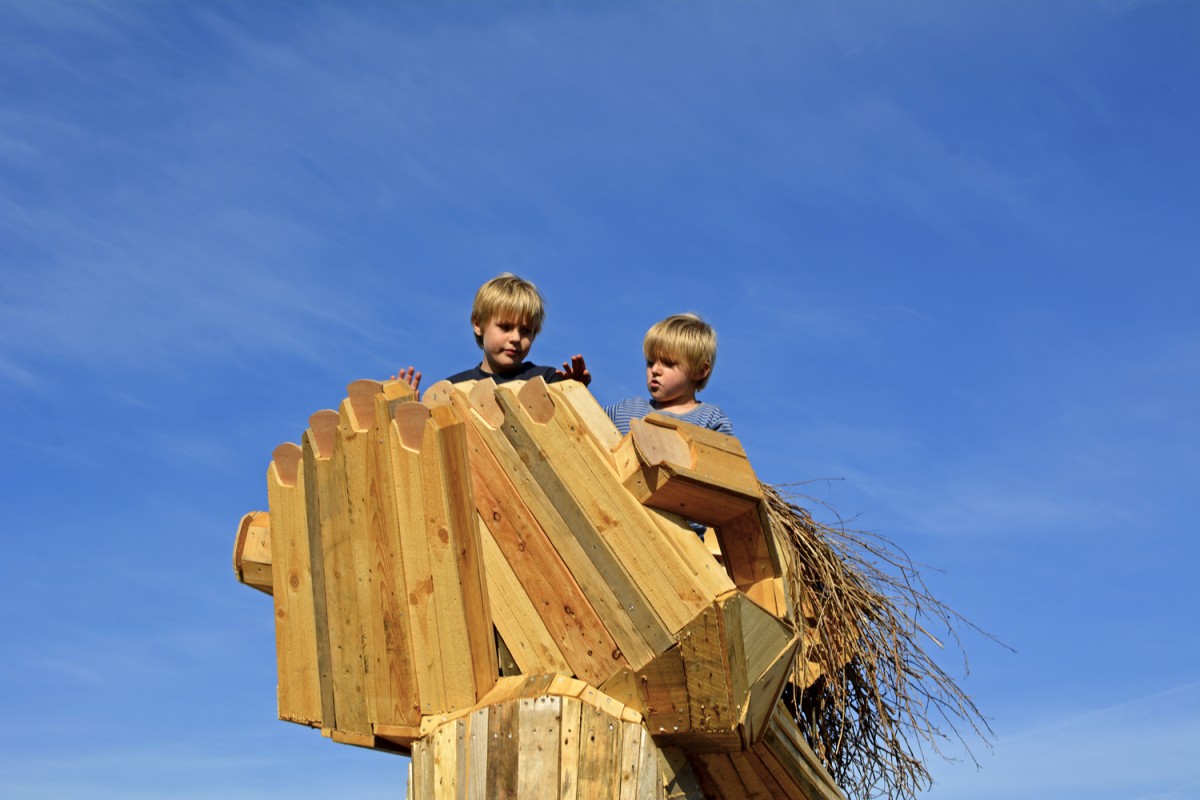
x=866, y=691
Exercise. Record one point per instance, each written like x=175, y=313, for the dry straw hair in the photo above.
x=508, y=297
x=685, y=339
x=865, y=690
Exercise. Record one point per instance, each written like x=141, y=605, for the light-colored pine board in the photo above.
x=569, y=734
x=523, y=632
x=590, y=413
x=340, y=521
x=580, y=555
x=314, y=443
x=252, y=551
x=539, y=721
x=445, y=761
x=299, y=686
x=465, y=541
x=694, y=553
x=406, y=433
x=449, y=602
x=391, y=669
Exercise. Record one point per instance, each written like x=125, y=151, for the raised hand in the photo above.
x=575, y=370
x=409, y=376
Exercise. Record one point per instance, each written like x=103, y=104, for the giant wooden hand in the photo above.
x=496, y=581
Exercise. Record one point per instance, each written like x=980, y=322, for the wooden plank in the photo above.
x=504, y=741
x=783, y=741
x=744, y=546
x=678, y=778
x=599, y=746
x=252, y=551
x=528, y=641
x=707, y=671
x=630, y=760
x=420, y=780
x=465, y=541
x=576, y=554
x=391, y=675
x=756, y=787
x=540, y=730
x=619, y=513
x=565, y=611
x=649, y=779
x=591, y=414
x=477, y=755
x=449, y=601
x=299, y=684
x=718, y=777
x=772, y=771
x=646, y=570
x=341, y=524
x=406, y=433
x=749, y=760
x=663, y=685
x=569, y=733
x=694, y=553
x=445, y=761
x=318, y=440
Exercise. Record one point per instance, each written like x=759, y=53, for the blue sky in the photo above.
x=951, y=250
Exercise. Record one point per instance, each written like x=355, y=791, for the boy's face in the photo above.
x=506, y=342
x=669, y=381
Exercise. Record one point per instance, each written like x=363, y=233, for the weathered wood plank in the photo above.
x=504, y=742
x=706, y=667
x=540, y=720
x=599, y=746
x=569, y=734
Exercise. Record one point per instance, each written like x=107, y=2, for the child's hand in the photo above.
x=409, y=376
x=575, y=370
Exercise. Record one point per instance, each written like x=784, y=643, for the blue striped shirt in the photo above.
x=706, y=415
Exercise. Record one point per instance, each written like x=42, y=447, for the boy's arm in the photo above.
x=575, y=370
x=409, y=376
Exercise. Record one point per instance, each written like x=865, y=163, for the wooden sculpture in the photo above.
x=496, y=582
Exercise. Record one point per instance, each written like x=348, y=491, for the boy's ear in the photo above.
x=704, y=371
x=478, y=328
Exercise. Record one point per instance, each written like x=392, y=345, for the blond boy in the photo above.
x=680, y=353
x=507, y=316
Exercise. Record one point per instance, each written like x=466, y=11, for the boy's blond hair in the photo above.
x=685, y=339
x=511, y=298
